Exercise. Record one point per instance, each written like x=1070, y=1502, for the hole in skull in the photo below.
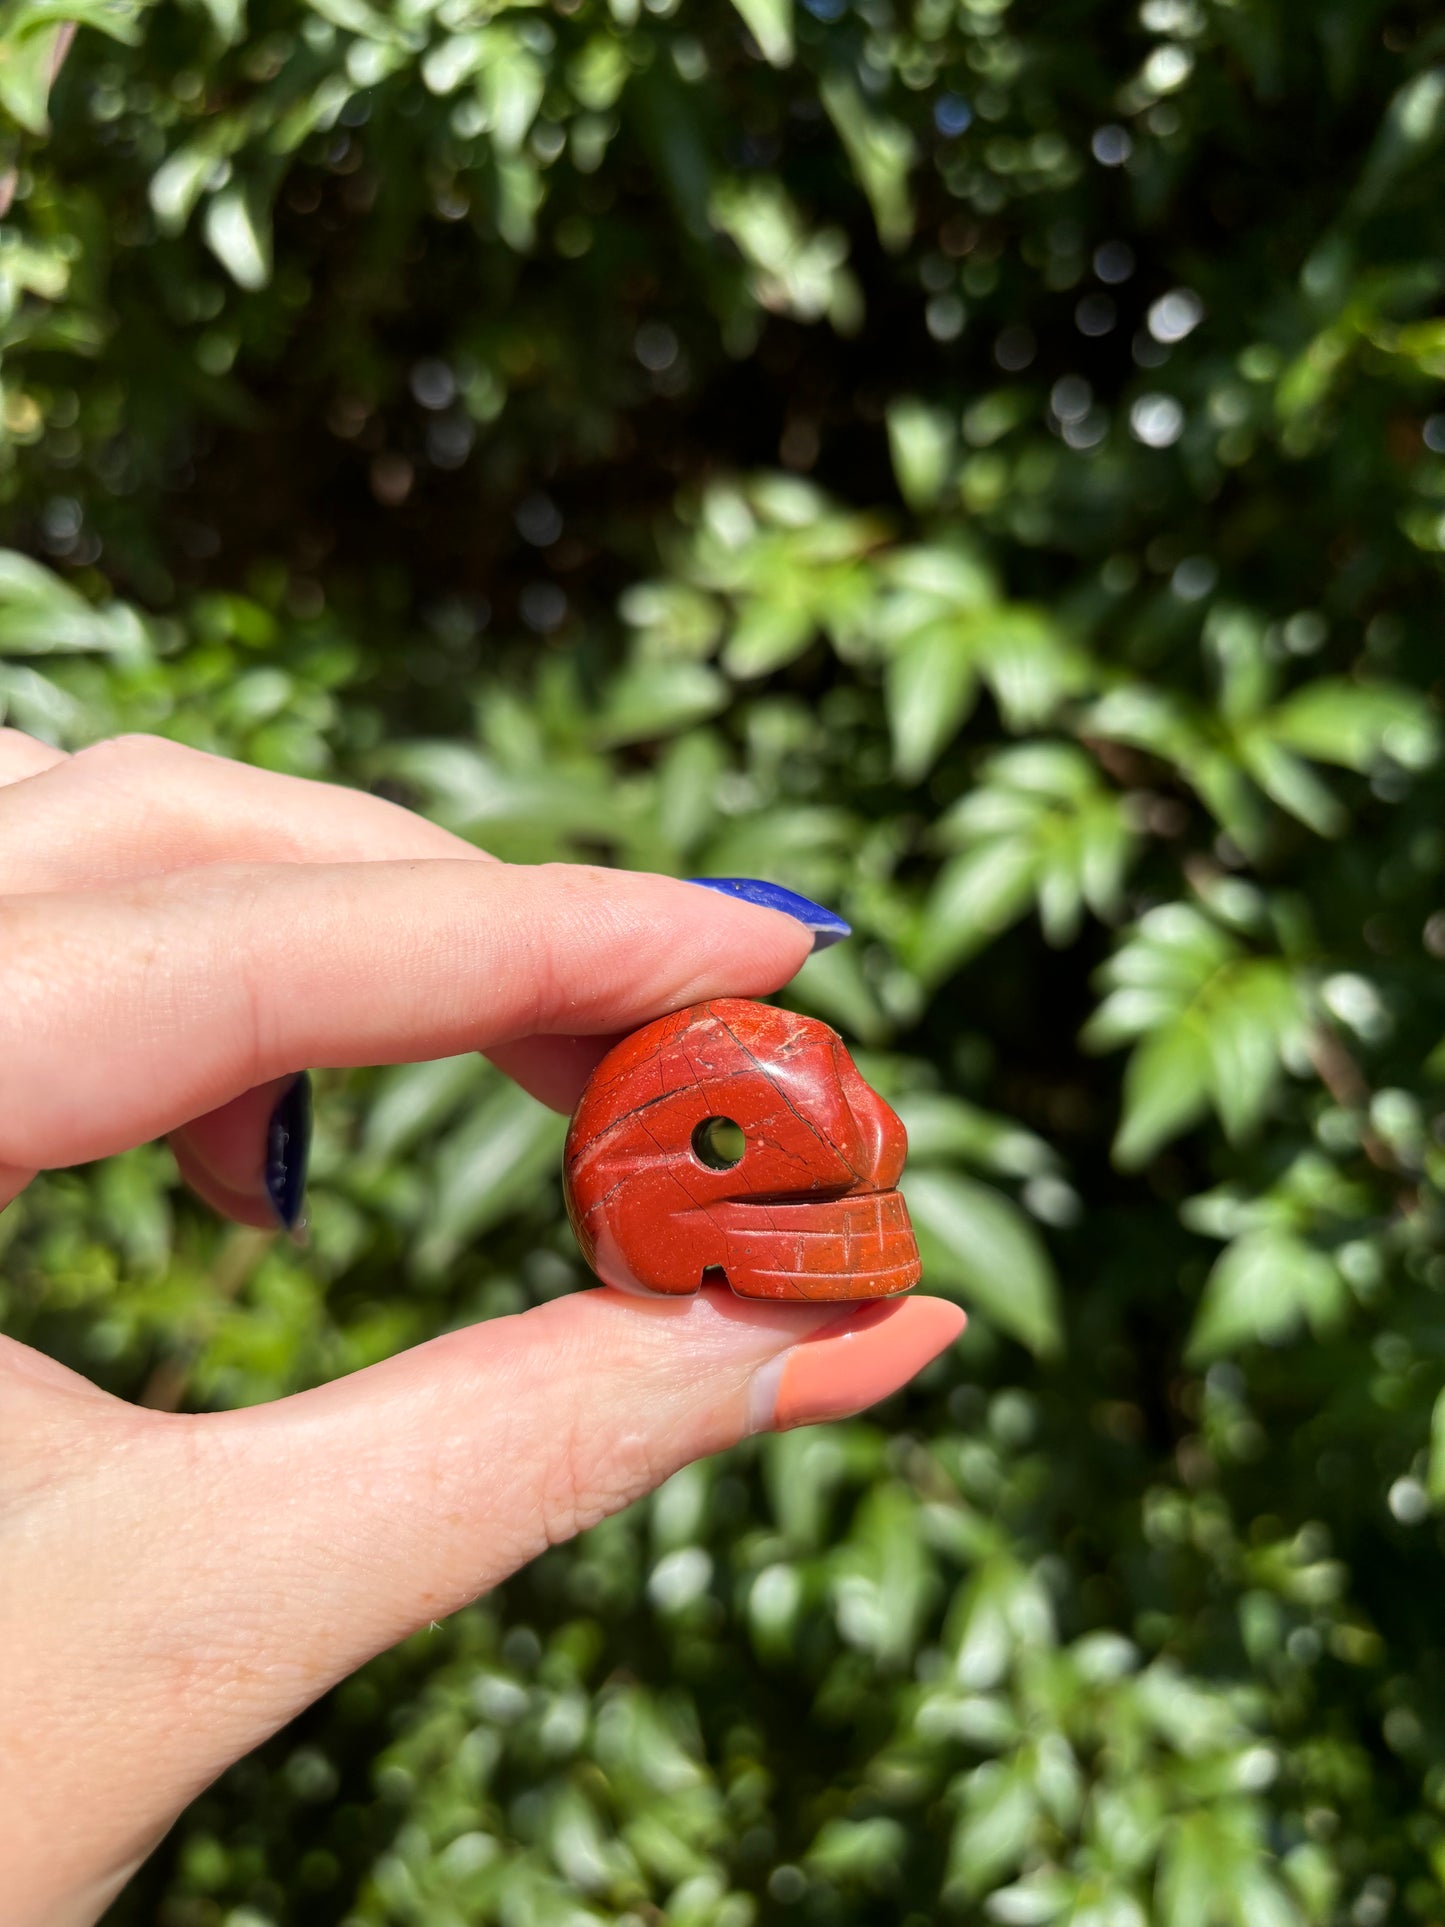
x=719, y=1143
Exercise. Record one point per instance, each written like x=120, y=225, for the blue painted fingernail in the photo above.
x=288, y=1147
x=826, y=925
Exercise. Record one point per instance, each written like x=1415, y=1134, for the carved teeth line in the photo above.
x=822, y=1196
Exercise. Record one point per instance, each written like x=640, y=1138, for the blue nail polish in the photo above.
x=826, y=925
x=288, y=1147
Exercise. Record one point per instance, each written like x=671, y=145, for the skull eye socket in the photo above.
x=719, y=1143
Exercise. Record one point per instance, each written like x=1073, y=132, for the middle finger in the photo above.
x=140, y=806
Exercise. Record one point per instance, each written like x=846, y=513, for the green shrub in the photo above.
x=984, y=466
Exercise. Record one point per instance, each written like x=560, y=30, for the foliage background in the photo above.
x=980, y=464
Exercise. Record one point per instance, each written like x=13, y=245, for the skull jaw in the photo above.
x=828, y=1250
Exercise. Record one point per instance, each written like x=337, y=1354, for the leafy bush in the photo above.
x=984, y=466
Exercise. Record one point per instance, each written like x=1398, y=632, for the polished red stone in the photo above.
x=810, y=1210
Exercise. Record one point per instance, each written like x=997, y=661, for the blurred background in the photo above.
x=981, y=465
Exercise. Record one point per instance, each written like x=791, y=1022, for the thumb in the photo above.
x=281, y=1546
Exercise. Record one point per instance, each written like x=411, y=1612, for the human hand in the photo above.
x=179, y=938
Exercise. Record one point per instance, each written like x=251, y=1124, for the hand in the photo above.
x=179, y=938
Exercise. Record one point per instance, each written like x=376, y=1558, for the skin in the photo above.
x=179, y=936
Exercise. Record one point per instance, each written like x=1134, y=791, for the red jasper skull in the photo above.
x=809, y=1209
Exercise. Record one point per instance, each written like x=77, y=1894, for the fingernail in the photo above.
x=826, y=925
x=852, y=1363
x=288, y=1146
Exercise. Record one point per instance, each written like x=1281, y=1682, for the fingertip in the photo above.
x=854, y=1362
x=23, y=756
x=747, y=945
x=554, y=1070
x=680, y=947
x=240, y=1207
x=824, y=926
x=248, y=1159
x=12, y=1182
x=288, y=1151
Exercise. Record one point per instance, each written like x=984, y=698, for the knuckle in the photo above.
x=585, y=935
x=22, y=739
x=134, y=748
x=110, y=749
x=212, y=904
x=22, y=756
x=24, y=972
x=592, y=1474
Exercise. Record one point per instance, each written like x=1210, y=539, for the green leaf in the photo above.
x=28, y=62
x=689, y=774
x=1264, y=1287
x=1234, y=637
x=44, y=271
x=797, y=270
x=1156, y=720
x=355, y=16
x=975, y=896
x=238, y=232
x=651, y=700
x=1042, y=1897
x=118, y=19
x=802, y=1476
x=1162, y=965
x=1198, y=1872
x=883, y=1579
x=1002, y=1615
x=937, y=577
x=929, y=688
x=181, y=179
x=768, y=635
x=1040, y=823
x=998, y=1827
x=666, y=118
x=803, y=848
x=834, y=986
x=1248, y=1023
x=979, y=1244
x=1414, y=125
x=770, y=22
x=921, y=440
x=40, y=615
x=34, y=703
x=229, y=19
x=474, y=794
x=1027, y=663
x=774, y=1607
x=1356, y=724
x=498, y=1161
x=414, y=1099
x=1437, y=1450
x=1290, y=783
x=943, y=1129
x=881, y=152
x=1166, y=1090
x=512, y=83
x=675, y=619
x=858, y=1850
x=1263, y=1902
x=1217, y=1025
x=34, y=38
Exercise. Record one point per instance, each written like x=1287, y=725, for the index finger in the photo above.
x=22, y=756
x=127, y=1011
